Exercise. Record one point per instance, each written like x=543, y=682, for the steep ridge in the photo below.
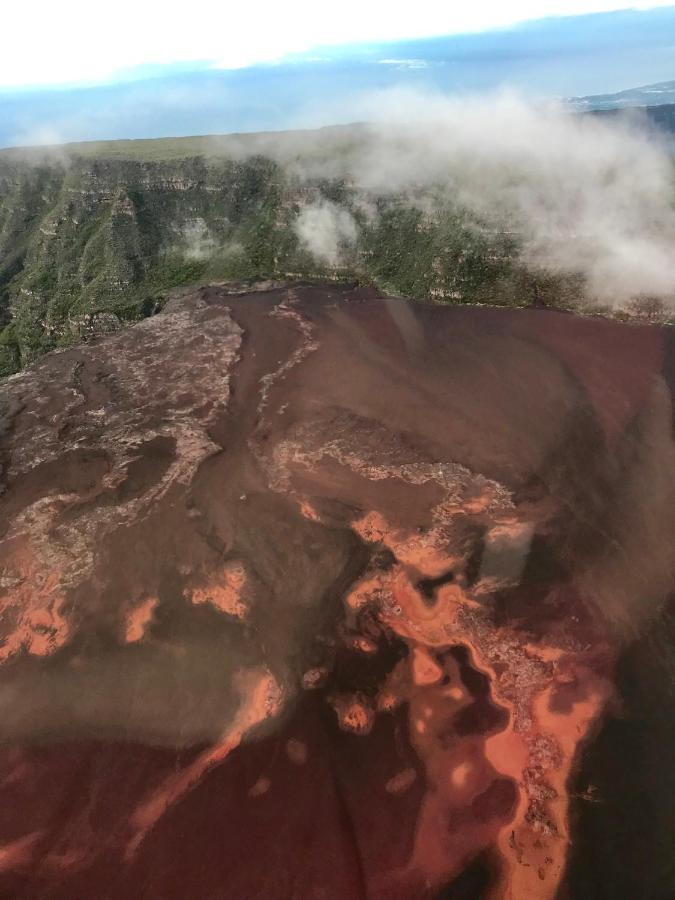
x=93, y=236
x=88, y=243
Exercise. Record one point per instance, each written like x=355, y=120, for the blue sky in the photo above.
x=76, y=41
x=147, y=93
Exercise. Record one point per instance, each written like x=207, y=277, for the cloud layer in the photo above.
x=325, y=229
x=584, y=194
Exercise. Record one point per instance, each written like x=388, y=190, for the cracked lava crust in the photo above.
x=310, y=593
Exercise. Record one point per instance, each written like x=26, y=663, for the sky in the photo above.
x=77, y=41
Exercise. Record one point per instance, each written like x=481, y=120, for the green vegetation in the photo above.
x=97, y=236
x=90, y=242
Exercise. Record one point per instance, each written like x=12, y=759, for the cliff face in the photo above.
x=85, y=244
x=307, y=592
x=92, y=236
x=88, y=242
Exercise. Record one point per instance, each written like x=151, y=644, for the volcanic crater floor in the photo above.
x=307, y=592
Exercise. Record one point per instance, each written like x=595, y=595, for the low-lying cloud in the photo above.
x=198, y=243
x=326, y=229
x=584, y=194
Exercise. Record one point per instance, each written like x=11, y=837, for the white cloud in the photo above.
x=46, y=42
x=324, y=229
x=404, y=63
x=585, y=195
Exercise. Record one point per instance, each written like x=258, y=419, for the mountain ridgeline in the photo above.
x=93, y=242
x=93, y=236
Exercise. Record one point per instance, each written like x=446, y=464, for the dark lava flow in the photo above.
x=310, y=593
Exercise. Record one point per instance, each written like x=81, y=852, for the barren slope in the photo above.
x=310, y=593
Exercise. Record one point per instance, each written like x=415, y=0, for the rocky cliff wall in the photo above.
x=87, y=243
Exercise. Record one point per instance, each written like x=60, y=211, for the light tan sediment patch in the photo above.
x=529, y=758
x=261, y=698
x=261, y=787
x=314, y=678
x=401, y=782
x=540, y=836
x=32, y=617
x=425, y=669
x=371, y=451
x=19, y=853
x=362, y=644
x=460, y=775
x=139, y=618
x=374, y=588
x=225, y=592
x=354, y=713
x=387, y=701
x=286, y=310
x=308, y=511
x=94, y=450
x=296, y=751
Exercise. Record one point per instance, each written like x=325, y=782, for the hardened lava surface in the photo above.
x=310, y=593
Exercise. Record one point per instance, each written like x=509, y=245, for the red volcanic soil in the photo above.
x=310, y=593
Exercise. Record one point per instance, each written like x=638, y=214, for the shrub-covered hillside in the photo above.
x=96, y=236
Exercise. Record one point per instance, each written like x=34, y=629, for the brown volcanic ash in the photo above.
x=311, y=593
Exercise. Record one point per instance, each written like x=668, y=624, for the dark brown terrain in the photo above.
x=309, y=593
